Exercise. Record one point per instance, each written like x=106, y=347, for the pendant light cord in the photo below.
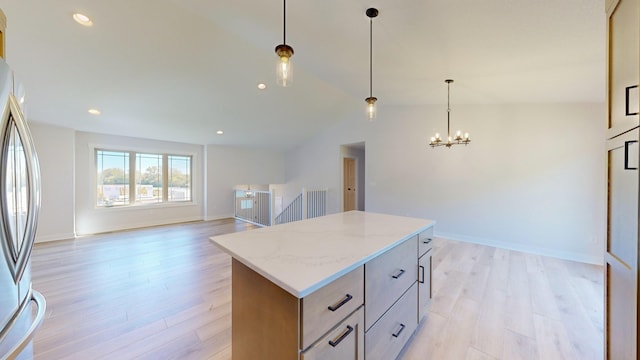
x=370, y=57
x=284, y=22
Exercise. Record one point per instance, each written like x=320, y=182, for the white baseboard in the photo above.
x=54, y=237
x=219, y=217
x=143, y=224
x=579, y=257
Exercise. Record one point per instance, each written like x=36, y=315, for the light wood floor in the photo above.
x=165, y=293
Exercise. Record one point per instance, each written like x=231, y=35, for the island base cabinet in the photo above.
x=385, y=340
x=344, y=342
x=264, y=317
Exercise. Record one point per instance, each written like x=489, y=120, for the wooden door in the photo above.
x=349, y=191
x=621, y=255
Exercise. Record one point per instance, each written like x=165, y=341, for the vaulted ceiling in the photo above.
x=182, y=69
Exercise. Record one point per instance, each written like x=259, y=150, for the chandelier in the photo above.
x=284, y=52
x=459, y=138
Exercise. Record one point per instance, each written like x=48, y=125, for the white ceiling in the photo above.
x=181, y=69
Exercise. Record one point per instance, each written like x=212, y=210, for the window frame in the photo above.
x=132, y=157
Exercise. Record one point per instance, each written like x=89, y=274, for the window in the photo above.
x=149, y=182
x=113, y=177
x=157, y=178
x=179, y=181
x=246, y=204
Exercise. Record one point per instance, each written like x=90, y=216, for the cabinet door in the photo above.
x=621, y=255
x=623, y=43
x=344, y=342
x=424, y=284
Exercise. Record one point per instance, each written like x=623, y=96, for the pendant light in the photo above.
x=459, y=138
x=371, y=100
x=284, y=52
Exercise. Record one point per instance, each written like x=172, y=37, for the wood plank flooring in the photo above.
x=165, y=293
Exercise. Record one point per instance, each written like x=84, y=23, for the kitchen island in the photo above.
x=340, y=286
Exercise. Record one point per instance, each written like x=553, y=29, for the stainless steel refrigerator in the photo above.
x=21, y=308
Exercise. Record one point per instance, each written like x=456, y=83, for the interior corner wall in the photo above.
x=92, y=220
x=228, y=166
x=533, y=178
x=55, y=148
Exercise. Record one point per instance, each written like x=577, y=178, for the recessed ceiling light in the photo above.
x=94, y=111
x=262, y=86
x=219, y=132
x=82, y=19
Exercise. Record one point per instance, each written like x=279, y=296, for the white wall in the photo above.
x=228, y=166
x=55, y=148
x=90, y=219
x=533, y=178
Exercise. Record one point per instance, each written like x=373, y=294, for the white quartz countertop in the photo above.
x=303, y=256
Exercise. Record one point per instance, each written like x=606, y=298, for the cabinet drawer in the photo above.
x=388, y=336
x=325, y=307
x=387, y=277
x=424, y=284
x=344, y=342
x=425, y=241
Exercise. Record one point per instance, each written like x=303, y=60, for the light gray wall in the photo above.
x=228, y=166
x=90, y=219
x=55, y=147
x=533, y=178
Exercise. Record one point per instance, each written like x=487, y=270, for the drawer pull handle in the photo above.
x=399, y=331
x=344, y=335
x=422, y=272
x=427, y=241
x=339, y=305
x=398, y=274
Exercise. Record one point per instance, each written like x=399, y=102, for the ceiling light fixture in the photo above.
x=459, y=138
x=371, y=100
x=262, y=86
x=284, y=52
x=82, y=19
x=94, y=111
x=219, y=132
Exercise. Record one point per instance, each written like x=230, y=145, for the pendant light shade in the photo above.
x=371, y=100
x=284, y=52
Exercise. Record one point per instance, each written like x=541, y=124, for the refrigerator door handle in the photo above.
x=41, y=304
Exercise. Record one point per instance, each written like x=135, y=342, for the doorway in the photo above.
x=353, y=176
